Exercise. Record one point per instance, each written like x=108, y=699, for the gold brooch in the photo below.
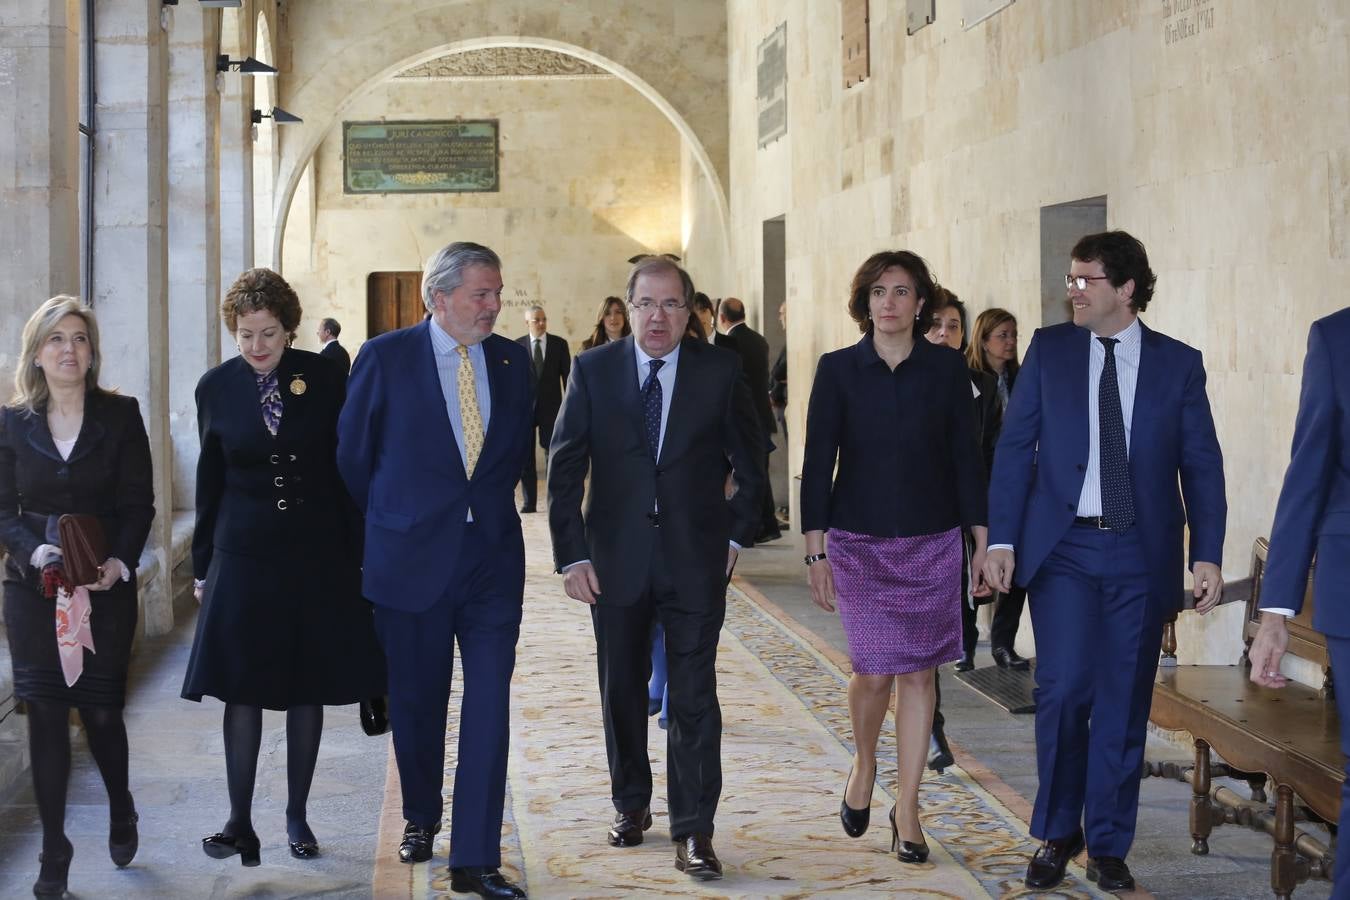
x=298, y=385
x=506, y=362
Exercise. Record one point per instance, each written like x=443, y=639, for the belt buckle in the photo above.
x=1101, y=524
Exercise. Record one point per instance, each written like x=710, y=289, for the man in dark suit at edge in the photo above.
x=550, y=362
x=754, y=351
x=1108, y=417
x=655, y=418
x=1312, y=518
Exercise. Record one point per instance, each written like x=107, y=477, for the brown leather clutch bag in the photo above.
x=83, y=547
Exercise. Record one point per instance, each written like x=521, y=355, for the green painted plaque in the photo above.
x=420, y=157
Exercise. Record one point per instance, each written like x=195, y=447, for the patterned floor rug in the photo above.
x=785, y=751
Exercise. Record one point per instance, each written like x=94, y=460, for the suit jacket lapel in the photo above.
x=40, y=436
x=91, y=429
x=630, y=397
x=1147, y=389
x=682, y=400
x=428, y=384
x=498, y=367
x=1075, y=376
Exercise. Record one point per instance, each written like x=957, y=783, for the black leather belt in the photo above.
x=1097, y=522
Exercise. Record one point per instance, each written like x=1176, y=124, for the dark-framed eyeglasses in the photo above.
x=667, y=306
x=1081, y=281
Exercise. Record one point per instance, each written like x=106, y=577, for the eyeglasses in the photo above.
x=667, y=306
x=1081, y=281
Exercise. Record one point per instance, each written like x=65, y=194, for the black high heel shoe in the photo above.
x=223, y=846
x=53, y=871
x=905, y=851
x=123, y=839
x=855, y=821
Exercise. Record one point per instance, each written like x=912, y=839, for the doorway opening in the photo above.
x=393, y=301
x=1061, y=226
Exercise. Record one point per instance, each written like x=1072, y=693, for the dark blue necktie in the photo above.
x=651, y=406
x=1117, y=494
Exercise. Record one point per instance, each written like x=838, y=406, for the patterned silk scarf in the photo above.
x=269, y=395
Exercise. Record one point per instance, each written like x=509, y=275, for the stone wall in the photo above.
x=589, y=174
x=1219, y=133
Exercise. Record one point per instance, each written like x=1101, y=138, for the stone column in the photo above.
x=236, y=187
x=39, y=163
x=130, y=247
x=194, y=238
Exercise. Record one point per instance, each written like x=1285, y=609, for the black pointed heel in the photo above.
x=54, y=868
x=223, y=846
x=123, y=839
x=906, y=851
x=855, y=821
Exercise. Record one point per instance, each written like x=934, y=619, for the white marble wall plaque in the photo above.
x=919, y=14
x=973, y=12
x=771, y=86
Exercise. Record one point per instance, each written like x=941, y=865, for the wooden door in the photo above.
x=393, y=301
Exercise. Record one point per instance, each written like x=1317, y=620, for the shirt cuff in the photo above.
x=198, y=583
x=1287, y=613
x=572, y=565
x=992, y=547
x=735, y=546
x=126, y=573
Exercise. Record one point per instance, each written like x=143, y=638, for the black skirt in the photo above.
x=30, y=620
x=280, y=633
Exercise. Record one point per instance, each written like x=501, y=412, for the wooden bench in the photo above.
x=1290, y=736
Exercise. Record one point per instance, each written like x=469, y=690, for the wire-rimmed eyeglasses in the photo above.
x=667, y=306
x=1081, y=281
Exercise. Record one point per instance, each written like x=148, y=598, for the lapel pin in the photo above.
x=298, y=385
x=506, y=362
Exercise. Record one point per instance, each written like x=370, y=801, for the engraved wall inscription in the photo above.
x=1184, y=19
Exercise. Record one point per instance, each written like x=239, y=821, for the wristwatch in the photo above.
x=813, y=558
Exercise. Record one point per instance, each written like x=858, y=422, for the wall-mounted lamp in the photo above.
x=277, y=115
x=222, y=4
x=246, y=66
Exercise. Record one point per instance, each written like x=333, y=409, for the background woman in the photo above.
x=949, y=330
x=69, y=446
x=610, y=325
x=993, y=350
x=895, y=411
x=276, y=553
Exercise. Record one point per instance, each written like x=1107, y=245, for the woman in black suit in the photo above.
x=949, y=329
x=69, y=446
x=993, y=351
x=276, y=555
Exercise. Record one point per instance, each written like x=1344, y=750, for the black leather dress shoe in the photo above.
x=694, y=856
x=1007, y=658
x=966, y=662
x=1110, y=873
x=304, y=849
x=1046, y=868
x=123, y=839
x=628, y=827
x=483, y=881
x=223, y=846
x=417, y=841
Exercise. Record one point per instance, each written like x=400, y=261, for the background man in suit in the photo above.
x=550, y=362
x=1313, y=515
x=1107, y=415
x=656, y=419
x=329, y=329
x=430, y=443
x=754, y=351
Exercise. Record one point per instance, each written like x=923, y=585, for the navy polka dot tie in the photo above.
x=1117, y=493
x=651, y=406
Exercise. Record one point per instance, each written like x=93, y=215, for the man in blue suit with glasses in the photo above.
x=1108, y=433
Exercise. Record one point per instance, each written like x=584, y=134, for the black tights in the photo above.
x=49, y=748
x=243, y=737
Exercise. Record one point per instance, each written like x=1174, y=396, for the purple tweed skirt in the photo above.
x=899, y=599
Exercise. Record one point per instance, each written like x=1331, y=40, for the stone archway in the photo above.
x=673, y=55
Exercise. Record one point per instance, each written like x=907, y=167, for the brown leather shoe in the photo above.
x=1046, y=868
x=628, y=827
x=694, y=856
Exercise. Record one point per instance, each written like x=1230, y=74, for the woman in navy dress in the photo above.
x=894, y=411
x=276, y=554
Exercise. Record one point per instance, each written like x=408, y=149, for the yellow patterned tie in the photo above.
x=469, y=415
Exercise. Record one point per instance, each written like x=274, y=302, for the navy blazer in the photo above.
x=1042, y=454
x=398, y=456
x=1313, y=513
